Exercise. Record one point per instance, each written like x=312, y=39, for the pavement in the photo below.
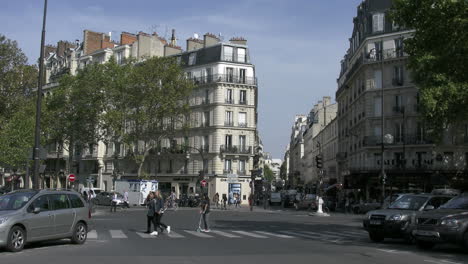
x=237, y=236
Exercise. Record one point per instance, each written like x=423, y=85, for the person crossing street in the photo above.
x=158, y=213
x=204, y=211
x=114, y=202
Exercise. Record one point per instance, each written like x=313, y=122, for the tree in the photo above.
x=438, y=57
x=268, y=173
x=146, y=102
x=74, y=109
x=17, y=78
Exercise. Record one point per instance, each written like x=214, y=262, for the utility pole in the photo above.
x=382, y=166
x=37, y=138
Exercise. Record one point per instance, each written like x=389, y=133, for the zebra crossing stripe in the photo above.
x=117, y=234
x=221, y=233
x=92, y=234
x=198, y=234
x=249, y=234
x=340, y=234
x=173, y=234
x=273, y=234
x=321, y=234
x=144, y=235
x=364, y=233
x=299, y=234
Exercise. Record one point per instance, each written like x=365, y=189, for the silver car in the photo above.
x=37, y=215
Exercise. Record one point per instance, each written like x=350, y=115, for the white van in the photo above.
x=94, y=191
x=137, y=190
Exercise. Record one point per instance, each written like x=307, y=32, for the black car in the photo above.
x=398, y=219
x=448, y=224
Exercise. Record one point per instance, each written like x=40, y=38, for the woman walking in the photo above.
x=204, y=210
x=150, y=203
x=159, y=211
x=216, y=200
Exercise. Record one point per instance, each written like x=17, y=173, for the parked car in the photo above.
x=275, y=198
x=105, y=198
x=32, y=215
x=398, y=219
x=288, y=198
x=307, y=201
x=94, y=191
x=448, y=224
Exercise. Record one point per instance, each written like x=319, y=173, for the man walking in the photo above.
x=114, y=202
x=150, y=203
x=204, y=211
x=224, y=201
x=159, y=210
x=126, y=199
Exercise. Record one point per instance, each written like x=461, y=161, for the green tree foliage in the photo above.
x=148, y=102
x=268, y=173
x=438, y=57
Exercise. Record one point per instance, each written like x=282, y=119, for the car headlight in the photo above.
x=398, y=217
x=450, y=222
x=368, y=215
x=3, y=220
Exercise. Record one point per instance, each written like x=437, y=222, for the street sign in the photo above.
x=90, y=179
x=71, y=178
x=203, y=183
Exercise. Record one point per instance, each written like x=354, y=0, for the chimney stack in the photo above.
x=210, y=40
x=173, y=38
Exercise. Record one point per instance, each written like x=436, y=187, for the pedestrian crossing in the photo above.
x=334, y=236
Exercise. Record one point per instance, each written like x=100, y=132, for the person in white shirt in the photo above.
x=126, y=199
x=114, y=202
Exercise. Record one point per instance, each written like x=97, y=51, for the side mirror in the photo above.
x=37, y=210
x=429, y=207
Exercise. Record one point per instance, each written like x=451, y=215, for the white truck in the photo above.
x=138, y=190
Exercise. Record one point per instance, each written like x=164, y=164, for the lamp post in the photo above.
x=37, y=137
x=115, y=171
x=387, y=139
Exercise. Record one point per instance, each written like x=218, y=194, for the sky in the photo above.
x=295, y=45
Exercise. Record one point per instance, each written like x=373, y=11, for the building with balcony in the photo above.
x=222, y=139
x=374, y=84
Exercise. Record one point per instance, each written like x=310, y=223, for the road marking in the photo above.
x=341, y=234
x=273, y=234
x=198, y=234
x=356, y=233
x=117, y=234
x=299, y=234
x=221, y=233
x=92, y=234
x=443, y=261
x=144, y=235
x=322, y=234
x=173, y=234
x=249, y=234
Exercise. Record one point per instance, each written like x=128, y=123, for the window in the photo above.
x=243, y=97
x=241, y=55
x=119, y=57
x=242, y=166
x=399, y=47
x=170, y=166
x=242, y=142
x=377, y=22
x=378, y=79
x=228, y=165
x=399, y=132
x=228, y=141
x=398, y=75
x=59, y=201
x=242, y=119
x=377, y=106
x=228, y=53
x=242, y=78
x=192, y=58
x=205, y=143
x=207, y=96
x=205, y=165
x=209, y=75
x=229, y=96
x=75, y=201
x=229, y=74
x=229, y=120
x=206, y=119
x=189, y=75
x=41, y=202
x=378, y=131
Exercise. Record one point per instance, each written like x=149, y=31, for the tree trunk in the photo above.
x=57, y=168
x=142, y=163
x=71, y=149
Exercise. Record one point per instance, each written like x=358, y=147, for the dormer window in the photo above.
x=378, y=22
x=228, y=53
x=192, y=58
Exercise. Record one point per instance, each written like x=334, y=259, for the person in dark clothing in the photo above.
x=158, y=213
x=150, y=214
x=224, y=201
x=205, y=210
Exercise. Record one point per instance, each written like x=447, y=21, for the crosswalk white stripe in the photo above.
x=173, y=234
x=364, y=233
x=273, y=234
x=341, y=234
x=299, y=234
x=249, y=234
x=117, y=234
x=92, y=234
x=198, y=234
x=144, y=235
x=221, y=233
x=321, y=234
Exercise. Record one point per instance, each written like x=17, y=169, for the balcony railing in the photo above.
x=388, y=54
x=228, y=124
x=397, y=81
x=229, y=101
x=205, y=101
x=227, y=171
x=205, y=148
x=408, y=139
x=236, y=149
x=242, y=124
x=228, y=78
x=242, y=172
x=243, y=102
x=399, y=109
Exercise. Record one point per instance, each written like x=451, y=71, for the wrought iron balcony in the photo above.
x=243, y=102
x=205, y=148
x=229, y=101
x=227, y=171
x=240, y=149
x=397, y=81
x=205, y=101
x=228, y=124
x=228, y=78
x=399, y=109
x=242, y=124
x=407, y=139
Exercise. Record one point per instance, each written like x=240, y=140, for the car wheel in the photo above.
x=424, y=244
x=376, y=237
x=80, y=234
x=16, y=239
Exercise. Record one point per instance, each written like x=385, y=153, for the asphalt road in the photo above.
x=238, y=236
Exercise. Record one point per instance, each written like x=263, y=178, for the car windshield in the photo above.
x=15, y=201
x=456, y=203
x=409, y=202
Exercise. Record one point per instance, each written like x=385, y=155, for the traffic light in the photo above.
x=318, y=161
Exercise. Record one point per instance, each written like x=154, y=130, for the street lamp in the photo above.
x=387, y=139
x=115, y=171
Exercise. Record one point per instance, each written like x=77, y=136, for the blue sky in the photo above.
x=296, y=45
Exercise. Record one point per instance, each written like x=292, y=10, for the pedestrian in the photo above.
x=216, y=200
x=235, y=199
x=251, y=201
x=114, y=202
x=85, y=196
x=150, y=204
x=204, y=211
x=224, y=201
x=158, y=213
x=126, y=199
